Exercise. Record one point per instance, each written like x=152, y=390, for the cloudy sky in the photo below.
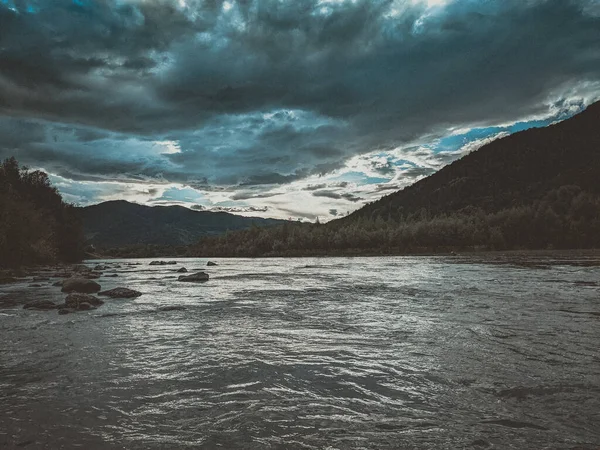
x=280, y=108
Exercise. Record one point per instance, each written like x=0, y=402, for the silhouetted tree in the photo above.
x=36, y=226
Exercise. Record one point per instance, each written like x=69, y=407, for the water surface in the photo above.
x=312, y=353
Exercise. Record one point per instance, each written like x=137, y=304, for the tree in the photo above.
x=36, y=226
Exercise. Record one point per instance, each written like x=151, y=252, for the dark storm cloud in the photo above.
x=244, y=195
x=238, y=209
x=351, y=197
x=394, y=78
x=337, y=195
x=416, y=172
x=67, y=60
x=328, y=194
x=387, y=187
x=272, y=178
x=314, y=187
x=268, y=92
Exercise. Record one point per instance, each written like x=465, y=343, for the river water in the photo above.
x=312, y=353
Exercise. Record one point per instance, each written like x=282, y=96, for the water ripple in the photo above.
x=313, y=353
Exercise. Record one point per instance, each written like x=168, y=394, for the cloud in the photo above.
x=238, y=99
x=245, y=195
x=336, y=195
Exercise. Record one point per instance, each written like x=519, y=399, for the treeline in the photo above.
x=36, y=226
x=142, y=251
x=565, y=218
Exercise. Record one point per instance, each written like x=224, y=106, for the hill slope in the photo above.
x=535, y=189
x=513, y=171
x=120, y=223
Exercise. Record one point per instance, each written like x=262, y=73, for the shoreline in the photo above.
x=350, y=254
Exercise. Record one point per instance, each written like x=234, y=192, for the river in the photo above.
x=312, y=353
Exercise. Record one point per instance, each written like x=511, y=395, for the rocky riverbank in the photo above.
x=43, y=288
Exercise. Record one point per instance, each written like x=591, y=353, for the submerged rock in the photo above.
x=162, y=263
x=210, y=263
x=58, y=283
x=172, y=308
x=100, y=268
x=40, y=279
x=75, y=300
x=35, y=285
x=40, y=305
x=121, y=292
x=92, y=275
x=80, y=285
x=182, y=270
x=111, y=275
x=66, y=310
x=196, y=277
x=8, y=301
x=85, y=306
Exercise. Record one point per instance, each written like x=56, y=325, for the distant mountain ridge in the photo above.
x=121, y=223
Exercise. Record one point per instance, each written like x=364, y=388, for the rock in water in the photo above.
x=182, y=270
x=40, y=305
x=162, y=263
x=196, y=277
x=121, y=292
x=172, y=308
x=75, y=300
x=85, y=306
x=210, y=263
x=92, y=275
x=80, y=285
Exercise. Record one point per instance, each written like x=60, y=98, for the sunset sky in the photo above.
x=279, y=108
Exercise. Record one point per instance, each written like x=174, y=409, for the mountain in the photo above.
x=120, y=223
x=535, y=189
x=513, y=171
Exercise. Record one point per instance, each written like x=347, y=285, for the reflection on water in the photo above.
x=397, y=352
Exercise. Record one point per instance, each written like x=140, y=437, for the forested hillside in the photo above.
x=517, y=170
